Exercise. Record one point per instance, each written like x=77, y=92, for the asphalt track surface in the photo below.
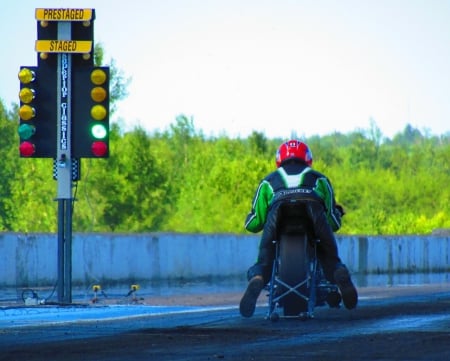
x=390, y=323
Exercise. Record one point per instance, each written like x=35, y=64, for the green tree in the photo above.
x=179, y=180
x=126, y=193
x=8, y=166
x=119, y=83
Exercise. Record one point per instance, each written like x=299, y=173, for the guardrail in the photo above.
x=30, y=260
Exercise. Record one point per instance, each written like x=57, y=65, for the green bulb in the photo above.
x=26, y=131
x=98, y=131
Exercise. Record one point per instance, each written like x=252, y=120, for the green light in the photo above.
x=98, y=131
x=26, y=131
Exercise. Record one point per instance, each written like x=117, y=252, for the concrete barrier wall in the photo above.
x=30, y=260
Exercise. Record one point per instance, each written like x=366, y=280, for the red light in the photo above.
x=99, y=149
x=26, y=149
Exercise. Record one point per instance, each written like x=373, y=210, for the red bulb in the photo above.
x=99, y=149
x=26, y=149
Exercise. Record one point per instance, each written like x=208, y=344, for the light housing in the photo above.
x=90, y=117
x=37, y=111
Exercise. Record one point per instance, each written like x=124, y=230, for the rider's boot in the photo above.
x=345, y=284
x=248, y=302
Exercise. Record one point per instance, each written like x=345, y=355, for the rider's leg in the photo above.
x=260, y=273
x=327, y=252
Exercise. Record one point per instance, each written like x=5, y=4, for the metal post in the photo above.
x=68, y=252
x=64, y=168
x=60, y=288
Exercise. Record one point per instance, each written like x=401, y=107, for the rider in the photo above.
x=294, y=178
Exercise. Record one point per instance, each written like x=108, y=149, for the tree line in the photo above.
x=179, y=180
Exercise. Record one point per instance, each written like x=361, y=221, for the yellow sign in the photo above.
x=63, y=14
x=63, y=46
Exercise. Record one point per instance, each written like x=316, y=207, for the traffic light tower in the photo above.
x=64, y=112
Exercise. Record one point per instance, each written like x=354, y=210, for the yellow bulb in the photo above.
x=98, y=112
x=26, y=95
x=26, y=112
x=86, y=56
x=98, y=94
x=26, y=75
x=43, y=56
x=98, y=76
x=86, y=23
x=44, y=23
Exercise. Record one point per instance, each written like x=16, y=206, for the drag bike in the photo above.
x=297, y=284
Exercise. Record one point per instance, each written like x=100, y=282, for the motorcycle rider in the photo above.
x=294, y=178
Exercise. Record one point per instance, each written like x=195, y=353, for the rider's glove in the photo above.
x=340, y=209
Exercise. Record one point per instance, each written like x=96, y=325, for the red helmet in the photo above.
x=293, y=149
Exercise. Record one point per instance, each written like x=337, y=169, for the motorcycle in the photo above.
x=297, y=284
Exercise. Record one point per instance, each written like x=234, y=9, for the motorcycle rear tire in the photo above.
x=293, y=269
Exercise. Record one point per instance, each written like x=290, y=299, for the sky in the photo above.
x=283, y=68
